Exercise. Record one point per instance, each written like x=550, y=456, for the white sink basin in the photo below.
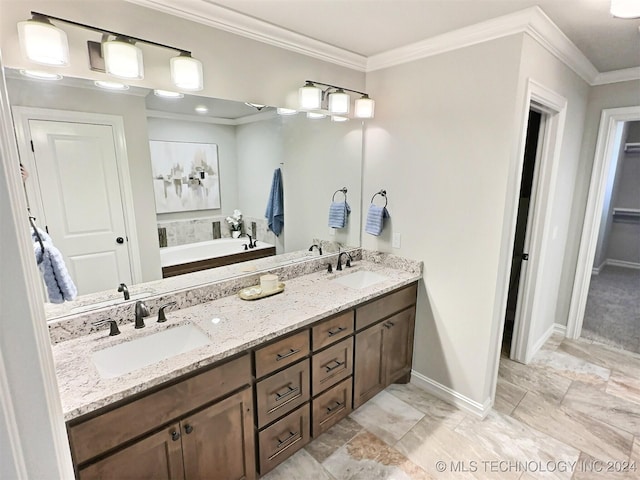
x=360, y=279
x=141, y=352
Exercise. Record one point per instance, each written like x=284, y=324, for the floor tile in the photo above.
x=435, y=408
x=334, y=438
x=574, y=428
x=300, y=465
x=513, y=441
x=589, y=468
x=387, y=416
x=546, y=382
x=607, y=408
x=624, y=386
x=605, y=356
x=553, y=342
x=508, y=396
x=570, y=366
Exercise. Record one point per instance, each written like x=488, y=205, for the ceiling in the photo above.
x=370, y=27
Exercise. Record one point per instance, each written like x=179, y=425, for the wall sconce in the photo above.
x=117, y=54
x=338, y=100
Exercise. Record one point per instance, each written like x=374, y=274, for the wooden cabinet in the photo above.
x=156, y=437
x=285, y=437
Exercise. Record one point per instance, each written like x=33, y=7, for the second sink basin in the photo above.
x=141, y=352
x=360, y=279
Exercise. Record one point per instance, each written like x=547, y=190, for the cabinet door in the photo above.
x=218, y=442
x=369, y=373
x=398, y=345
x=157, y=457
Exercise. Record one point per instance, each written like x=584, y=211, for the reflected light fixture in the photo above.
x=286, y=111
x=338, y=101
x=257, y=106
x=111, y=85
x=201, y=109
x=118, y=54
x=39, y=75
x=315, y=115
x=625, y=8
x=337, y=118
x=122, y=58
x=167, y=94
x=41, y=42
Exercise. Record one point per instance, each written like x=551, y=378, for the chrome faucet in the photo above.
x=315, y=245
x=123, y=289
x=141, y=311
x=348, y=262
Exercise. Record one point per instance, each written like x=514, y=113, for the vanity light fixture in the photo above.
x=338, y=100
x=337, y=118
x=286, y=111
x=117, y=54
x=39, y=75
x=315, y=115
x=625, y=8
x=167, y=94
x=111, y=85
x=41, y=42
x=201, y=109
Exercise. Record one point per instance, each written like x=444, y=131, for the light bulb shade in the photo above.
x=310, y=97
x=43, y=43
x=339, y=102
x=364, y=107
x=122, y=59
x=339, y=119
x=286, y=111
x=186, y=73
x=625, y=8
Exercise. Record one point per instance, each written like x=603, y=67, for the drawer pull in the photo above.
x=283, y=442
x=290, y=391
x=282, y=356
x=175, y=436
x=335, y=407
x=333, y=367
x=336, y=331
x=389, y=324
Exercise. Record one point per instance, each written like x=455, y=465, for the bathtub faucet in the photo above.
x=252, y=243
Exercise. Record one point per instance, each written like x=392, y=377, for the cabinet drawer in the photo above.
x=331, y=365
x=282, y=392
x=385, y=306
x=332, y=330
x=331, y=407
x=104, y=432
x=283, y=438
x=281, y=353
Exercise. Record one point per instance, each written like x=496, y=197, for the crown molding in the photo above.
x=532, y=21
x=228, y=20
x=615, y=76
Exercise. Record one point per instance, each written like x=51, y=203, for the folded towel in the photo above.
x=60, y=286
x=338, y=212
x=375, y=219
x=275, y=207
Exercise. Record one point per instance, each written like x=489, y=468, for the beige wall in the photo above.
x=441, y=146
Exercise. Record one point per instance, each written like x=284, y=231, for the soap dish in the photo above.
x=256, y=293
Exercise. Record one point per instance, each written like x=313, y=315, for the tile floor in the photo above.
x=574, y=413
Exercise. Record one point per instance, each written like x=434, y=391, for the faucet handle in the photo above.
x=161, y=315
x=113, y=326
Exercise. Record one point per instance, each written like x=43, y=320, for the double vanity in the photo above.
x=228, y=388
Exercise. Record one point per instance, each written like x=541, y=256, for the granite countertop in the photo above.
x=232, y=324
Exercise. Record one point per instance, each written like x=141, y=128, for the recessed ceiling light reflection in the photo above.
x=201, y=109
x=111, y=85
x=38, y=75
x=168, y=94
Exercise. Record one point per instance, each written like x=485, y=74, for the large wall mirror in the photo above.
x=95, y=176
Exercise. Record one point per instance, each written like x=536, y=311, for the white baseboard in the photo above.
x=560, y=329
x=450, y=396
x=539, y=343
x=622, y=263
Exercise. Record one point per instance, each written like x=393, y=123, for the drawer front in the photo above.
x=281, y=353
x=331, y=407
x=385, y=306
x=332, y=330
x=99, y=434
x=282, y=392
x=331, y=366
x=284, y=438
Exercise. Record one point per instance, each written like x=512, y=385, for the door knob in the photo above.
x=120, y=240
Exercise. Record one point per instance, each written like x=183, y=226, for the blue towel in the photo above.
x=275, y=207
x=60, y=286
x=338, y=212
x=375, y=219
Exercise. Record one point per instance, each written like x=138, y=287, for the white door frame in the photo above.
x=22, y=115
x=610, y=120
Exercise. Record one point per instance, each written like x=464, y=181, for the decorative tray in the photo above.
x=256, y=293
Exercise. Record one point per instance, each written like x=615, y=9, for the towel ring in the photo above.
x=343, y=190
x=382, y=193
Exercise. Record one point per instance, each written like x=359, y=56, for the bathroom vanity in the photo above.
x=276, y=373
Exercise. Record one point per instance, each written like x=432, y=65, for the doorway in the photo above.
x=525, y=206
x=70, y=162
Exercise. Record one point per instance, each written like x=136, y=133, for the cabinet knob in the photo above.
x=188, y=428
x=175, y=436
